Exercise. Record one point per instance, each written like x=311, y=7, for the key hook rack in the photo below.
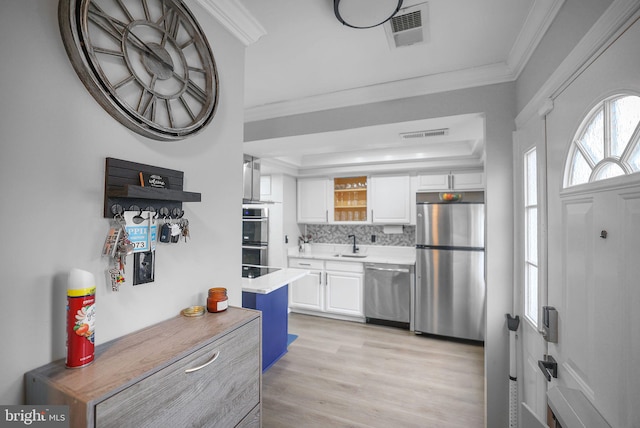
x=123, y=187
x=175, y=213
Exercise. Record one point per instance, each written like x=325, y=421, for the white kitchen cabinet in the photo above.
x=283, y=224
x=390, y=199
x=333, y=289
x=452, y=181
x=345, y=288
x=433, y=182
x=314, y=203
x=467, y=181
x=307, y=292
x=378, y=200
x=344, y=293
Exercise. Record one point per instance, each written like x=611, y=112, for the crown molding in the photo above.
x=613, y=22
x=460, y=79
x=235, y=18
x=540, y=18
x=457, y=163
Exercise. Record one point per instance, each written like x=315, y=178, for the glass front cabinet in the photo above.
x=350, y=199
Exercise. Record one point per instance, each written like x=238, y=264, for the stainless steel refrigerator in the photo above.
x=450, y=290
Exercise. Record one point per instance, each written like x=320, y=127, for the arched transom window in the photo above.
x=606, y=144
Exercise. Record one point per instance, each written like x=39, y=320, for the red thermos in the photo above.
x=81, y=315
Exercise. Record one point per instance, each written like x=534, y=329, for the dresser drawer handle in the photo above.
x=215, y=357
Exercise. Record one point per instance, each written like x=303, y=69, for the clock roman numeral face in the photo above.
x=149, y=60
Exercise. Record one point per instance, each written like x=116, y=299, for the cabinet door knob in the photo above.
x=211, y=360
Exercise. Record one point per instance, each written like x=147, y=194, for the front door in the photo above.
x=594, y=232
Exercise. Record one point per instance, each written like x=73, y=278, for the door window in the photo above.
x=531, y=291
x=606, y=144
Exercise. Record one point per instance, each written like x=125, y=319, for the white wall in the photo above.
x=497, y=103
x=54, y=141
x=573, y=21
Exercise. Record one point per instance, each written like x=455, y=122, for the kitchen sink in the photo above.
x=355, y=256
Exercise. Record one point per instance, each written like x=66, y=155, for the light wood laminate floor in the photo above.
x=346, y=374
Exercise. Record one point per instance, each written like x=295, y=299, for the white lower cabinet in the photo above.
x=308, y=291
x=333, y=288
x=344, y=293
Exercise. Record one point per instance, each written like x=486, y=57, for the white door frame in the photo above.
x=531, y=346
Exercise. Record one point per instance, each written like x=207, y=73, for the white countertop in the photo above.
x=371, y=253
x=267, y=283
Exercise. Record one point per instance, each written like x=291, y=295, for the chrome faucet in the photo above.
x=355, y=248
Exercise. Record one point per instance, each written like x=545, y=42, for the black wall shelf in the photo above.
x=122, y=187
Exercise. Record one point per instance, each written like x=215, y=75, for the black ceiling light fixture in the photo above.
x=365, y=13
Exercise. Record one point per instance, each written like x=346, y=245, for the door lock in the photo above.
x=550, y=324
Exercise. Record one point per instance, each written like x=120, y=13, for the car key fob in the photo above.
x=165, y=233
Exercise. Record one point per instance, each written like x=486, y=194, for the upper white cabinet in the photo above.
x=379, y=200
x=433, y=182
x=467, y=181
x=390, y=199
x=452, y=181
x=382, y=199
x=313, y=200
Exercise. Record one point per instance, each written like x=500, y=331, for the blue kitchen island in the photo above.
x=270, y=295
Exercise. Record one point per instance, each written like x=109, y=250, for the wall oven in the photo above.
x=254, y=255
x=255, y=226
x=255, y=239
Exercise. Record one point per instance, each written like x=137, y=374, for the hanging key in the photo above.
x=122, y=261
x=165, y=233
x=175, y=232
x=116, y=278
x=185, y=229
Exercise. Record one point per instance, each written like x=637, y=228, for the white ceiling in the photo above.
x=308, y=61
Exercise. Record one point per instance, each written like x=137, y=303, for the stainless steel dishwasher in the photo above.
x=387, y=293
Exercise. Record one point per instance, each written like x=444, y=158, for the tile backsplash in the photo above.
x=338, y=234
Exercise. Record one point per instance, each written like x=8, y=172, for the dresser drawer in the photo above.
x=219, y=394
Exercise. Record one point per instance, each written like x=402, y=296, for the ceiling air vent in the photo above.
x=424, y=134
x=409, y=26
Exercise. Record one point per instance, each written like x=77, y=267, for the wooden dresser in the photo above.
x=144, y=379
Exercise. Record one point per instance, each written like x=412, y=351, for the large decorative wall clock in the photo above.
x=146, y=62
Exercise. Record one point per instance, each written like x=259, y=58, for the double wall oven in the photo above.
x=255, y=240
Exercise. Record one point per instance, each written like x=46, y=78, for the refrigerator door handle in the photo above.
x=447, y=248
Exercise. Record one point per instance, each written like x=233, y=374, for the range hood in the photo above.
x=251, y=180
